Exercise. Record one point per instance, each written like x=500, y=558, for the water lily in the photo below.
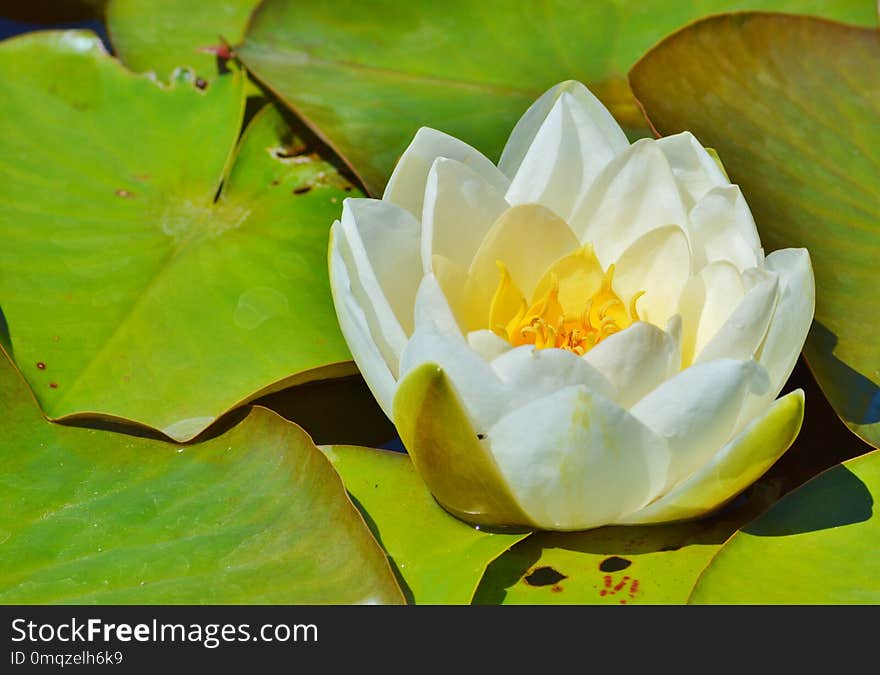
x=588, y=333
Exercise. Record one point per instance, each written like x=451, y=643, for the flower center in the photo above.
x=568, y=310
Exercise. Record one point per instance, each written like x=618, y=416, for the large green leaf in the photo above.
x=792, y=105
x=256, y=515
x=131, y=287
x=656, y=564
x=439, y=557
x=161, y=35
x=817, y=546
x=367, y=75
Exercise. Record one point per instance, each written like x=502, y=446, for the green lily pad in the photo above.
x=792, y=105
x=161, y=35
x=818, y=545
x=440, y=558
x=256, y=515
x=134, y=286
x=655, y=564
x=367, y=82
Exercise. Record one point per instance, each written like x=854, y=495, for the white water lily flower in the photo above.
x=588, y=333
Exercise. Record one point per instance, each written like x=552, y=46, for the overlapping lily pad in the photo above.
x=818, y=545
x=792, y=105
x=655, y=564
x=256, y=515
x=161, y=35
x=367, y=75
x=149, y=270
x=440, y=558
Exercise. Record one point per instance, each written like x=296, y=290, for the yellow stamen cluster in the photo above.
x=546, y=323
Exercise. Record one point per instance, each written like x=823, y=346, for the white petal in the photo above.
x=697, y=410
x=530, y=373
x=460, y=207
x=406, y=187
x=599, y=132
x=721, y=227
x=380, y=245
x=633, y=195
x=637, y=360
x=741, y=335
x=789, y=325
x=706, y=302
x=384, y=328
x=432, y=308
x=575, y=460
x=695, y=169
x=482, y=393
x=355, y=328
x=567, y=146
x=487, y=344
x=452, y=279
x=736, y=466
x=658, y=263
x=793, y=315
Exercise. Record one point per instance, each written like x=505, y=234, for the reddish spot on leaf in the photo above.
x=53, y=385
x=220, y=51
x=41, y=365
x=634, y=588
x=557, y=589
x=607, y=581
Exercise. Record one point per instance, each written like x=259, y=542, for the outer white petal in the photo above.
x=460, y=207
x=355, y=328
x=697, y=410
x=575, y=460
x=789, y=326
x=793, y=316
x=638, y=360
x=706, y=302
x=721, y=227
x=406, y=187
x=736, y=466
x=695, y=169
x=483, y=395
x=633, y=195
x=658, y=263
x=599, y=133
x=530, y=373
x=741, y=335
x=380, y=245
x=567, y=146
x=487, y=344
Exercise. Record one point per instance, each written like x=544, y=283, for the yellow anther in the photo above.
x=593, y=309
